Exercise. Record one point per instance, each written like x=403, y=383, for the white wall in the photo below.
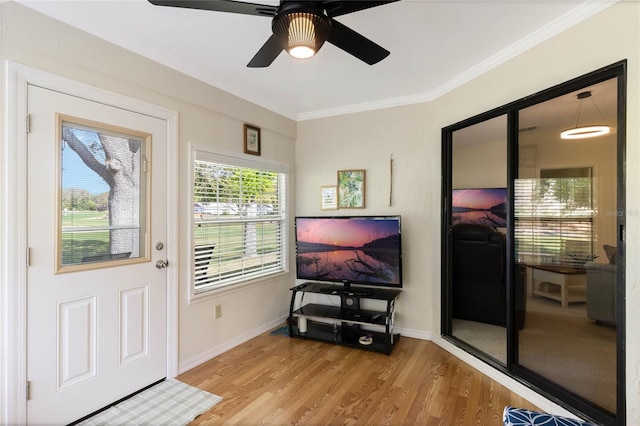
x=367, y=141
x=413, y=134
x=207, y=116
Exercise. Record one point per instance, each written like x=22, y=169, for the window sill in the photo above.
x=234, y=288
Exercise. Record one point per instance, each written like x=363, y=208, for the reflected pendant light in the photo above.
x=303, y=32
x=583, y=132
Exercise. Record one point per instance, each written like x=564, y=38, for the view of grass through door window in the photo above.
x=238, y=223
x=103, y=189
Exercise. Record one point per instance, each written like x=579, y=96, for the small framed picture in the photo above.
x=351, y=189
x=329, y=197
x=251, y=140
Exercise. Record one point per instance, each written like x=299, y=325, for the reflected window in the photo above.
x=554, y=217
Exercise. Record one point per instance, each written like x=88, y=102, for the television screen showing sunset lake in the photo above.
x=483, y=206
x=360, y=251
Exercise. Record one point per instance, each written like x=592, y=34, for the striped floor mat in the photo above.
x=169, y=403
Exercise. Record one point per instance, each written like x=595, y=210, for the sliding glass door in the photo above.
x=532, y=282
x=565, y=235
x=478, y=226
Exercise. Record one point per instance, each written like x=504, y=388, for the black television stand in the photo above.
x=344, y=321
x=345, y=292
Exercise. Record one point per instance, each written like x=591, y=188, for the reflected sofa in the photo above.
x=601, y=292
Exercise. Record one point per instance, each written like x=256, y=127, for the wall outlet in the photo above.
x=218, y=312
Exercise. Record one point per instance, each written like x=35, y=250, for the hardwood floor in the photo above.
x=276, y=380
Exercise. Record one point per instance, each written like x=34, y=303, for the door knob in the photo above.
x=161, y=264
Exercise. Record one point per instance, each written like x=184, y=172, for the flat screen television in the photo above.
x=349, y=250
x=486, y=206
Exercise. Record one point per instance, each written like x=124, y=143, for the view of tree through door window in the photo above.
x=103, y=190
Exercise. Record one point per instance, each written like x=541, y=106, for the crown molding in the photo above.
x=575, y=16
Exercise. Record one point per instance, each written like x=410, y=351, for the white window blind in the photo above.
x=238, y=221
x=554, y=219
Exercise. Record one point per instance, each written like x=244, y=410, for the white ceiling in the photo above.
x=435, y=45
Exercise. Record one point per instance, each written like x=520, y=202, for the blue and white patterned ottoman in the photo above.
x=520, y=417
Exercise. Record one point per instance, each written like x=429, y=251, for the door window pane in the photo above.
x=102, y=195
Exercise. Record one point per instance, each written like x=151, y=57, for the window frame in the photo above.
x=232, y=159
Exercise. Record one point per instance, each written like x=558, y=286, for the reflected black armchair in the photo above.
x=479, y=274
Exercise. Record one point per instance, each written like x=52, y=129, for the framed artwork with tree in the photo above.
x=351, y=189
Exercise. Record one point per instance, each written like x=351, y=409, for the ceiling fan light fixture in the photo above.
x=298, y=26
x=302, y=33
x=583, y=132
x=302, y=36
x=302, y=52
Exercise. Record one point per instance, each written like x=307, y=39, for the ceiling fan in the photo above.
x=300, y=27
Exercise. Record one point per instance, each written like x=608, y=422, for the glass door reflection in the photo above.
x=477, y=236
x=565, y=238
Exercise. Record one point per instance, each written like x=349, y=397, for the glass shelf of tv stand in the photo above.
x=357, y=291
x=360, y=316
x=333, y=323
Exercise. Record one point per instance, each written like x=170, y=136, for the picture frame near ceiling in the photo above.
x=329, y=197
x=251, y=140
x=351, y=189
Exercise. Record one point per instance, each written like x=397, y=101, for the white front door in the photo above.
x=97, y=287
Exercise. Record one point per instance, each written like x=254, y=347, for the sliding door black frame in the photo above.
x=540, y=384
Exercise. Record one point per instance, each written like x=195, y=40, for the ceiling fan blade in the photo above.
x=231, y=6
x=267, y=53
x=339, y=7
x=356, y=44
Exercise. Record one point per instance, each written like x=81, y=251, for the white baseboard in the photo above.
x=415, y=334
x=188, y=364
